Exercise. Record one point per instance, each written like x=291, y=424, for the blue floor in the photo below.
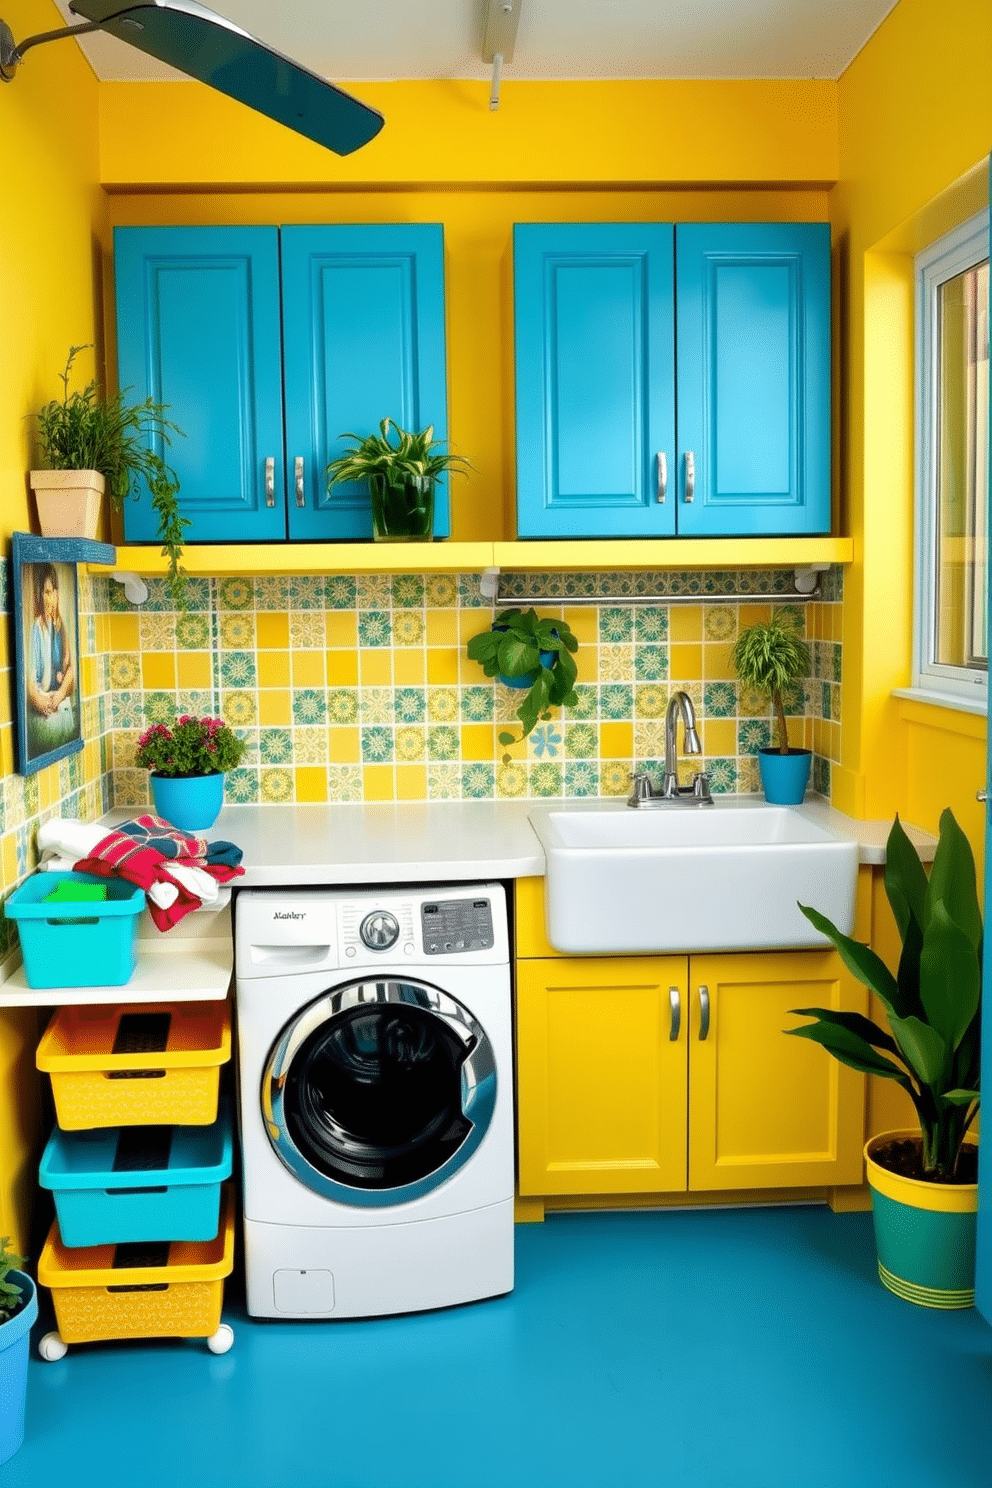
x=703, y=1349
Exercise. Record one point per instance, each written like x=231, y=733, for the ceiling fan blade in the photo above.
x=205, y=46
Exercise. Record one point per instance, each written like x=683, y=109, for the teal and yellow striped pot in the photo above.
x=924, y=1233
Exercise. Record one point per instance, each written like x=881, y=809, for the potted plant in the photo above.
x=924, y=1182
x=18, y=1310
x=771, y=658
x=525, y=650
x=188, y=762
x=93, y=443
x=401, y=474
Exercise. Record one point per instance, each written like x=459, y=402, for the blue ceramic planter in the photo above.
x=192, y=803
x=784, y=777
x=14, y=1367
x=548, y=659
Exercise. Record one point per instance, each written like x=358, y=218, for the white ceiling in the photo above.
x=388, y=39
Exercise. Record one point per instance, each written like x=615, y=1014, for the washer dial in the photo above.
x=379, y=930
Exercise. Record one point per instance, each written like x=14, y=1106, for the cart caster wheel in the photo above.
x=52, y=1347
x=217, y=1343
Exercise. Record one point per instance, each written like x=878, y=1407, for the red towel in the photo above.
x=120, y=855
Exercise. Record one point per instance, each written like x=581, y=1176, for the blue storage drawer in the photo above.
x=117, y=1184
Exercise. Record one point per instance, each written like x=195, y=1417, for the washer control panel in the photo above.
x=451, y=926
x=379, y=930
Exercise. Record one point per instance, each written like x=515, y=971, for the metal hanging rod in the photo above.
x=806, y=587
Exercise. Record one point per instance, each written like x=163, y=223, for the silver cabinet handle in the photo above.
x=704, y=1012
x=662, y=477
x=301, y=498
x=690, y=476
x=675, y=1004
x=981, y=795
x=270, y=482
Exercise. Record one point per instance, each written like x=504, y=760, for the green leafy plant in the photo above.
x=401, y=469
x=771, y=658
x=11, y=1296
x=513, y=647
x=192, y=746
x=87, y=431
x=934, y=1000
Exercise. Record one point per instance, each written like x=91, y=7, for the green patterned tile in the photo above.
x=375, y=705
x=342, y=704
x=411, y=743
x=442, y=704
x=276, y=785
x=581, y=740
x=470, y=597
x=720, y=582
x=197, y=702
x=408, y=628
x=651, y=623
x=792, y=615
x=720, y=699
x=444, y=781
x=373, y=591
x=511, y=781
x=836, y=657
x=159, y=707
x=344, y=783
x=443, y=742
x=580, y=586
x=306, y=592
x=587, y=705
x=477, y=704
x=478, y=780
x=441, y=591
x=821, y=775
x=650, y=663
x=411, y=704
x=650, y=701
x=545, y=779
x=276, y=746
x=616, y=702
x=340, y=592
x=241, y=787
x=237, y=669
x=753, y=734
x=408, y=591
x=720, y=622
x=614, y=778
x=722, y=775
x=272, y=593
x=309, y=746
x=374, y=628
x=794, y=699
x=377, y=745
x=616, y=625
x=307, y=630
x=581, y=778
x=309, y=705
x=825, y=700
x=616, y=663
x=751, y=703
x=236, y=594
x=157, y=632
x=192, y=632
x=237, y=630
x=125, y=671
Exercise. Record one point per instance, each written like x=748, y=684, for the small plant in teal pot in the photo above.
x=18, y=1310
x=772, y=658
x=524, y=650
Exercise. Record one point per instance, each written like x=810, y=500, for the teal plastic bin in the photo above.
x=83, y=944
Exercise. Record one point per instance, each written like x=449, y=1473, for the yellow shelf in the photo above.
x=221, y=560
x=674, y=552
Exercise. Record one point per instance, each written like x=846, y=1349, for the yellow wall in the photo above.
x=904, y=145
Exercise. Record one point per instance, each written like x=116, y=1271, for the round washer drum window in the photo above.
x=379, y=1091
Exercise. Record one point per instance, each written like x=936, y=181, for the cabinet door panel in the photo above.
x=594, y=328
x=767, y=1110
x=753, y=377
x=363, y=339
x=198, y=329
x=601, y=1084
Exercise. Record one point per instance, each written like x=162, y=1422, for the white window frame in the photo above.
x=963, y=248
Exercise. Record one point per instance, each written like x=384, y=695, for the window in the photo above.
x=952, y=302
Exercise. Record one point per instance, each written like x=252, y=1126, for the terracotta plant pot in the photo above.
x=68, y=501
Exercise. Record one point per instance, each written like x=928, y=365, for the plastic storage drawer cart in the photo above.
x=89, y=943
x=134, y=1183
x=120, y=1066
x=145, y=1290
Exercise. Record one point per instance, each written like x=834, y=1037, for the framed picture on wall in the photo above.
x=44, y=598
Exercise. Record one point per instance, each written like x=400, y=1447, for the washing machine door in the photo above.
x=378, y=1091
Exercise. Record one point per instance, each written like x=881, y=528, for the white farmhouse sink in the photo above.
x=723, y=877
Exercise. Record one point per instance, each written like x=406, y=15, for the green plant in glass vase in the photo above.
x=401, y=470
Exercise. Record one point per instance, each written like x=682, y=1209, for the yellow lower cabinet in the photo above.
x=601, y=1072
x=766, y=1111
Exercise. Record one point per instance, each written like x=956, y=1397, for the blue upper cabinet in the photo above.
x=363, y=339
x=663, y=393
x=198, y=329
x=595, y=408
x=753, y=378
x=268, y=344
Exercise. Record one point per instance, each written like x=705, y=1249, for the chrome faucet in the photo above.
x=671, y=793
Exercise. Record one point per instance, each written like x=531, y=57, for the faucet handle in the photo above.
x=701, y=786
x=642, y=790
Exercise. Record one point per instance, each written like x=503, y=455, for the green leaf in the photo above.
x=517, y=657
x=950, y=976
x=922, y=1048
x=852, y=1050
x=952, y=879
x=863, y=1027
x=961, y=1097
x=859, y=959
x=905, y=880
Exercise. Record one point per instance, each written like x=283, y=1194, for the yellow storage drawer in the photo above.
x=98, y=1295
x=121, y=1066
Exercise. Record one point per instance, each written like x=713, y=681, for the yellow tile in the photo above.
x=616, y=741
x=719, y=737
x=195, y=669
x=311, y=783
x=4, y=652
x=411, y=782
x=835, y=618
x=274, y=708
x=308, y=668
x=478, y=741
x=717, y=663
x=587, y=663
x=342, y=668
x=472, y=623
x=158, y=670
x=583, y=623
x=409, y=668
x=685, y=622
x=444, y=666
x=754, y=614
x=123, y=632
x=273, y=668
x=6, y=745
x=342, y=628
x=344, y=746
x=46, y=789
x=442, y=627
x=88, y=675
x=375, y=667
x=8, y=849
x=685, y=663
x=377, y=782
x=271, y=631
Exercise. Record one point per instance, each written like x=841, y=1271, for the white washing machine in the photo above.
x=376, y=1098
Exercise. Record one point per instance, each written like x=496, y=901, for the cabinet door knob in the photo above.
x=301, y=497
x=662, y=477
x=981, y=795
x=270, y=481
x=690, y=476
x=675, y=1004
x=704, y=1012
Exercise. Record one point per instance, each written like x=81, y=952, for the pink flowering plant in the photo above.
x=192, y=746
